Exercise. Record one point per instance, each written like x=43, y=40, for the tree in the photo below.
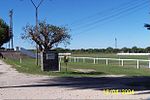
x=109, y=50
x=47, y=36
x=147, y=26
x=134, y=49
x=4, y=33
x=147, y=49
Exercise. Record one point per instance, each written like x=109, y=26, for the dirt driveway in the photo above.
x=14, y=85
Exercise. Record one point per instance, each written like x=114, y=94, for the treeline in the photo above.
x=107, y=50
x=103, y=50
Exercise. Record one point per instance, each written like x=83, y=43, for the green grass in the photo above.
x=113, y=62
x=29, y=66
x=112, y=70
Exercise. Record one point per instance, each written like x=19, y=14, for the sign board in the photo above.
x=49, y=61
x=50, y=56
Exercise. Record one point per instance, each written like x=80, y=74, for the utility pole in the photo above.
x=115, y=43
x=11, y=29
x=9, y=43
x=36, y=17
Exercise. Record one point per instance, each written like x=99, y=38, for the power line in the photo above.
x=121, y=6
x=94, y=27
x=118, y=16
x=110, y=16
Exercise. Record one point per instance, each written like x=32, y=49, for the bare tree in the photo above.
x=48, y=35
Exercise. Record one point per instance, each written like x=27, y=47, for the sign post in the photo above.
x=66, y=59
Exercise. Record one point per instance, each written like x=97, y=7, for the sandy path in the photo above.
x=14, y=85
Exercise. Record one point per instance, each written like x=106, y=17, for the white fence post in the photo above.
x=106, y=61
x=137, y=64
x=60, y=64
x=149, y=63
x=74, y=59
x=94, y=60
x=122, y=62
x=59, y=60
x=20, y=60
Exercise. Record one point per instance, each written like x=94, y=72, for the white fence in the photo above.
x=107, y=60
x=133, y=54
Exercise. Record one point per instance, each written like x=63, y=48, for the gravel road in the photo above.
x=15, y=85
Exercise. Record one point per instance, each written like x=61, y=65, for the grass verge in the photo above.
x=29, y=66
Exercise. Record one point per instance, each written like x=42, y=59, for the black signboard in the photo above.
x=49, y=61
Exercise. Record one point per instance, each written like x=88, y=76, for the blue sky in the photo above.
x=93, y=23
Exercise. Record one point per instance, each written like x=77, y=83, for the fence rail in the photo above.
x=107, y=60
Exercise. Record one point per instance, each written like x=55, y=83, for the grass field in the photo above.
x=79, y=68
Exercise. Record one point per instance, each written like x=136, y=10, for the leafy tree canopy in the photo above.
x=4, y=33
